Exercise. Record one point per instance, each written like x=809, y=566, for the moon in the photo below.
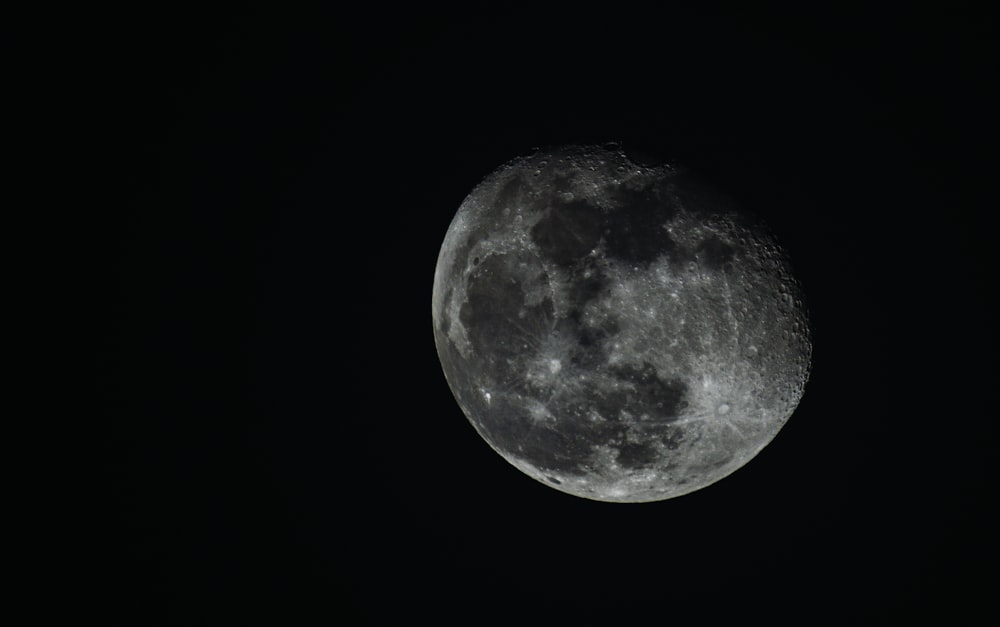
x=617, y=331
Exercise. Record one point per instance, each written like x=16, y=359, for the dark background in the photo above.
x=281, y=447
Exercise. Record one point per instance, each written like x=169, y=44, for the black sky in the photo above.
x=282, y=447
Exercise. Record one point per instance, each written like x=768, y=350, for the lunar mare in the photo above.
x=617, y=331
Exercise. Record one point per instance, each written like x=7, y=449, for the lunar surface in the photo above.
x=617, y=331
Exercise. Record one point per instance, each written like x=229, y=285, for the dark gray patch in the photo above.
x=715, y=254
x=563, y=181
x=496, y=321
x=554, y=480
x=635, y=232
x=585, y=285
x=568, y=232
x=607, y=404
x=587, y=350
x=507, y=196
x=454, y=365
x=587, y=282
x=713, y=465
x=444, y=320
x=564, y=446
x=661, y=400
x=560, y=449
x=591, y=336
x=636, y=455
x=672, y=440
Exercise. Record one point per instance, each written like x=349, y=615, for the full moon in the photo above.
x=617, y=331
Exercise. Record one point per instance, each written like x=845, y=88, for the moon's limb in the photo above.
x=612, y=334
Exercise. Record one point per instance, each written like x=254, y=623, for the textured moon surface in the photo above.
x=616, y=331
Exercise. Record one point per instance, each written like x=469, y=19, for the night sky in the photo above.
x=280, y=446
